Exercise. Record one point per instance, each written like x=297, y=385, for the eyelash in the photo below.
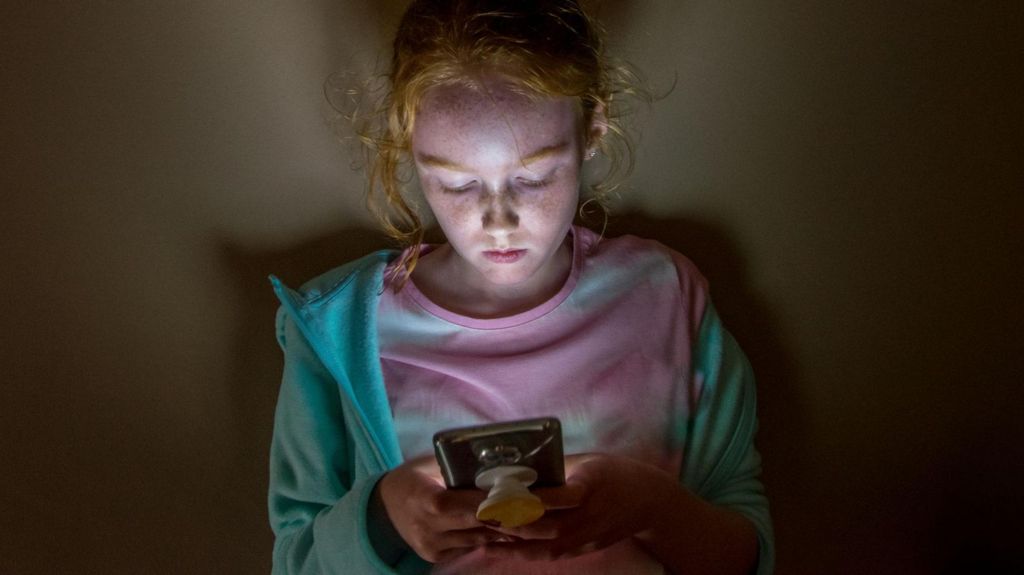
x=533, y=184
x=458, y=190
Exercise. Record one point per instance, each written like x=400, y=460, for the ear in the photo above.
x=596, y=130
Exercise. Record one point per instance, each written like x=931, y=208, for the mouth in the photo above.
x=504, y=256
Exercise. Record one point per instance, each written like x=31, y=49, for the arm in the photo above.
x=319, y=504
x=720, y=464
x=711, y=519
x=610, y=498
x=689, y=535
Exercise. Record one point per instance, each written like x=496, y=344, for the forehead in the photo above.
x=451, y=114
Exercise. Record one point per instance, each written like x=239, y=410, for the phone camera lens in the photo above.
x=494, y=455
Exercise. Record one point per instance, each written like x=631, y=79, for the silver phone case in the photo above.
x=464, y=452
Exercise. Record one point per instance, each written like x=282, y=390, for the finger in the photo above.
x=427, y=465
x=528, y=550
x=455, y=509
x=451, y=554
x=468, y=538
x=455, y=501
x=546, y=550
x=572, y=462
x=551, y=526
x=517, y=550
x=566, y=497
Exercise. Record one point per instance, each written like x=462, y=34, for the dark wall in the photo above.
x=846, y=174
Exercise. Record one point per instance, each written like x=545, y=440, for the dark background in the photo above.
x=847, y=174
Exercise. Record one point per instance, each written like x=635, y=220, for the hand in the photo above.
x=606, y=499
x=439, y=524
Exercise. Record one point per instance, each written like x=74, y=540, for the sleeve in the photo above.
x=721, y=464
x=318, y=508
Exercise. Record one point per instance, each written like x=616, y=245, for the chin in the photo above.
x=508, y=277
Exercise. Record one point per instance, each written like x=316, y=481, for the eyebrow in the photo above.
x=540, y=154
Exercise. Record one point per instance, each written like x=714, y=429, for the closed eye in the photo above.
x=534, y=183
x=456, y=190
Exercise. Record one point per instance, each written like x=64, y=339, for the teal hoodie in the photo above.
x=334, y=436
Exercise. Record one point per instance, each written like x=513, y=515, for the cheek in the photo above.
x=561, y=203
x=450, y=210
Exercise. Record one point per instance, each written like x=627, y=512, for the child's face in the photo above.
x=501, y=173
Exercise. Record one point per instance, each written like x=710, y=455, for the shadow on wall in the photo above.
x=256, y=359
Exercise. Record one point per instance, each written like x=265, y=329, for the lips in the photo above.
x=504, y=256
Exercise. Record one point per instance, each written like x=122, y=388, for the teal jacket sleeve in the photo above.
x=319, y=493
x=720, y=462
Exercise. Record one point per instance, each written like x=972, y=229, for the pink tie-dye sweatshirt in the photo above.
x=611, y=355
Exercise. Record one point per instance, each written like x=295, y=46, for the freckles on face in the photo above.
x=495, y=140
x=500, y=171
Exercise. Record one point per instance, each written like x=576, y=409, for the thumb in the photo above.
x=426, y=465
x=566, y=497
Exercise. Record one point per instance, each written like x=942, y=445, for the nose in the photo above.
x=499, y=216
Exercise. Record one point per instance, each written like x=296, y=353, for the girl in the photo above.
x=497, y=105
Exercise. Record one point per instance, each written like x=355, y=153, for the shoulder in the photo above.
x=332, y=299
x=644, y=275
x=643, y=257
x=361, y=273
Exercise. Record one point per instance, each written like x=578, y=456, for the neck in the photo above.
x=484, y=300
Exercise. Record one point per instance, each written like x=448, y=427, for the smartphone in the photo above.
x=464, y=452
